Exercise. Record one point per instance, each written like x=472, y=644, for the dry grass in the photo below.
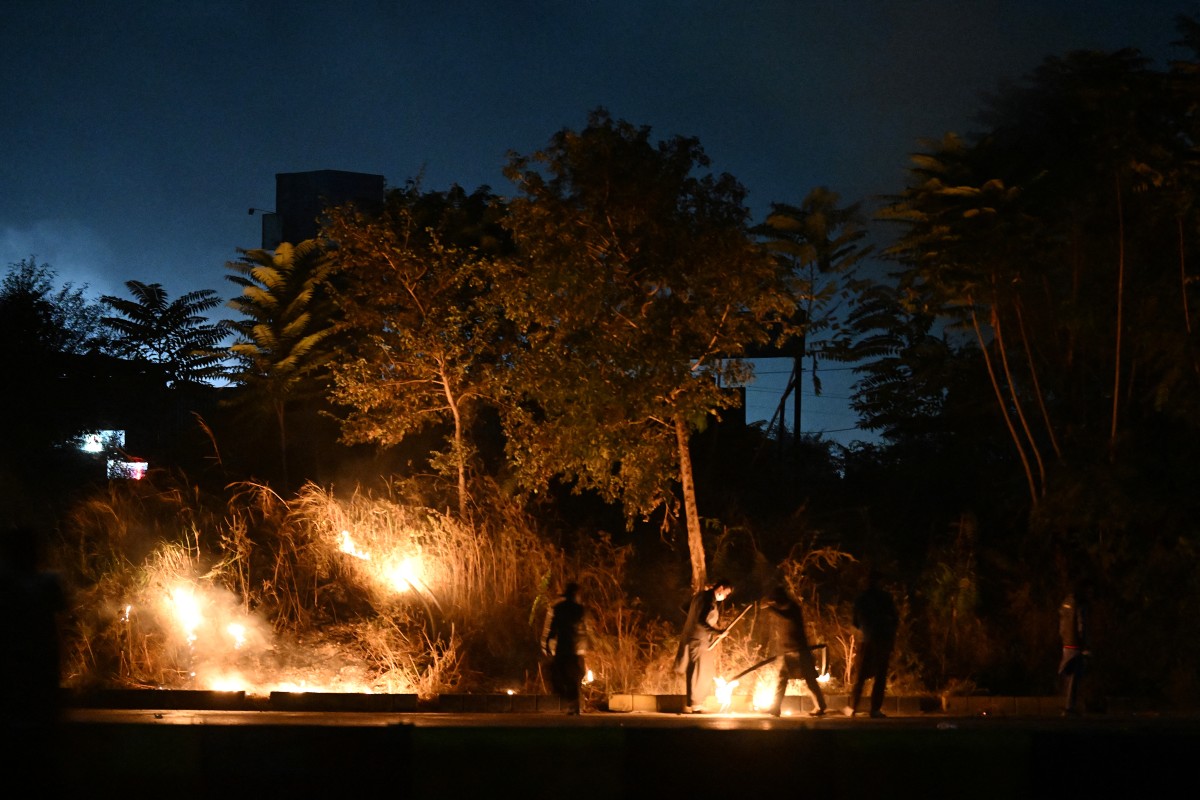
x=359, y=591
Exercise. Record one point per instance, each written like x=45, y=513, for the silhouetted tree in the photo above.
x=174, y=334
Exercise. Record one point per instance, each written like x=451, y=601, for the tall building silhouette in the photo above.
x=301, y=198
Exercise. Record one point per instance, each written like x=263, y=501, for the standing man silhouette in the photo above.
x=566, y=641
x=1073, y=629
x=875, y=616
x=693, y=659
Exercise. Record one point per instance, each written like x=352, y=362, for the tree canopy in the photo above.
x=174, y=334
x=637, y=288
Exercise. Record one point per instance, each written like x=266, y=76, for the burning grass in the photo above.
x=363, y=592
x=357, y=593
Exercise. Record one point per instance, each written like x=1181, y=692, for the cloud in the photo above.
x=77, y=254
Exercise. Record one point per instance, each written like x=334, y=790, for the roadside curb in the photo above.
x=501, y=703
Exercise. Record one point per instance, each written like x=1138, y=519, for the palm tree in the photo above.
x=171, y=334
x=287, y=322
x=821, y=245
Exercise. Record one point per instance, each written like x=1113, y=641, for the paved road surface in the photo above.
x=228, y=754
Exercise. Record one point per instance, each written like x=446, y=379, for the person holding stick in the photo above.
x=696, y=657
x=793, y=651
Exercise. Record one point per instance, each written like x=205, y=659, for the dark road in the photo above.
x=175, y=754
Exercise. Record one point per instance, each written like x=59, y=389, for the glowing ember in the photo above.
x=724, y=692
x=347, y=545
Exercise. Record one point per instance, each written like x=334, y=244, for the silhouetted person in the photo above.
x=875, y=616
x=566, y=641
x=1073, y=630
x=30, y=672
x=694, y=659
x=791, y=644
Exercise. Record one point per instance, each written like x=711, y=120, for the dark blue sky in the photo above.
x=137, y=134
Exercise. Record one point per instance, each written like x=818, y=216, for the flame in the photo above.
x=399, y=574
x=589, y=677
x=404, y=574
x=230, y=649
x=764, y=692
x=347, y=545
x=227, y=682
x=185, y=606
x=724, y=692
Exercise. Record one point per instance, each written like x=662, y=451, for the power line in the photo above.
x=789, y=372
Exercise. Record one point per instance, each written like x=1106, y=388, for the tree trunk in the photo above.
x=691, y=513
x=1033, y=374
x=460, y=455
x=1002, y=350
x=987, y=360
x=1112, y=436
x=281, y=420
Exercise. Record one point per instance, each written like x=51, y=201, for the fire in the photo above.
x=227, y=682
x=404, y=574
x=347, y=545
x=396, y=572
x=764, y=692
x=724, y=692
x=224, y=646
x=186, y=607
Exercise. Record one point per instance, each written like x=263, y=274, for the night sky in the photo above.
x=137, y=134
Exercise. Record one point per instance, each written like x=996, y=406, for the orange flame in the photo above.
x=347, y=545
x=186, y=607
x=724, y=692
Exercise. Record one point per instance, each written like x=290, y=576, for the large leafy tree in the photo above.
x=425, y=336
x=283, y=339
x=173, y=335
x=636, y=286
